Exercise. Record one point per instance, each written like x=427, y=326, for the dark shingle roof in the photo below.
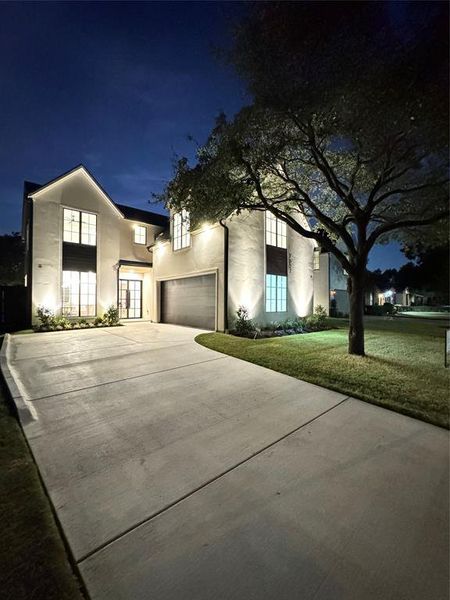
x=144, y=216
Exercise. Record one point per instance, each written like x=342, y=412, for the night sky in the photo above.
x=117, y=87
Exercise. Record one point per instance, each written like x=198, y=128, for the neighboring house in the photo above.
x=85, y=253
x=407, y=297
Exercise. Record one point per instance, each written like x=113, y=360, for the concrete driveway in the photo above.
x=181, y=473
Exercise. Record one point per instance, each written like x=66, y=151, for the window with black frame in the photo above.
x=276, y=264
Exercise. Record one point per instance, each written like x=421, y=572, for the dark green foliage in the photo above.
x=111, y=316
x=348, y=128
x=51, y=322
x=317, y=321
x=45, y=316
x=12, y=253
x=243, y=325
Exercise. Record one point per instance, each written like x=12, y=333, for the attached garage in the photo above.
x=189, y=301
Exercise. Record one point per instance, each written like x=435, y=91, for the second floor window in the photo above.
x=316, y=264
x=80, y=227
x=181, y=230
x=275, y=231
x=140, y=234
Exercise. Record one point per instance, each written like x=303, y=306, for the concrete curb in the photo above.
x=25, y=412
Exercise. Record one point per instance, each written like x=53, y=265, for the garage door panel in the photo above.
x=189, y=301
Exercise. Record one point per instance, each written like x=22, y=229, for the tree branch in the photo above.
x=388, y=227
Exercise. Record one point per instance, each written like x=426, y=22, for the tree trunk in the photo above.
x=356, y=330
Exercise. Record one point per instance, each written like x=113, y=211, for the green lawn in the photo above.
x=33, y=560
x=403, y=370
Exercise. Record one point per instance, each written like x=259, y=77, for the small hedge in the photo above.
x=51, y=322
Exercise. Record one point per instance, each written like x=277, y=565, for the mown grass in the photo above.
x=403, y=370
x=33, y=560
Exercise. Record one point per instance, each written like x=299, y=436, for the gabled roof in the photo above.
x=78, y=169
x=143, y=216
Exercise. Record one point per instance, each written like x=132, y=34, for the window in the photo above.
x=316, y=264
x=181, y=230
x=276, y=293
x=88, y=229
x=79, y=294
x=71, y=226
x=275, y=231
x=140, y=234
x=79, y=227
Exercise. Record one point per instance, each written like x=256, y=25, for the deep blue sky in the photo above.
x=115, y=86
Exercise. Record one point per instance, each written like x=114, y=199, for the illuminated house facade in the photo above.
x=84, y=253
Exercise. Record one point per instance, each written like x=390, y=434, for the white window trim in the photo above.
x=135, y=230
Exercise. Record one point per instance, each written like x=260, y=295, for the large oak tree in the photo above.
x=346, y=140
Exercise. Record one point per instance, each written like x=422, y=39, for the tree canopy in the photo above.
x=347, y=138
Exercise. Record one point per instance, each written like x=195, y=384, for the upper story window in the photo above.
x=80, y=227
x=275, y=231
x=140, y=234
x=316, y=256
x=181, y=230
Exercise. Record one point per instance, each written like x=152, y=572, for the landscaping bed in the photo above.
x=51, y=322
x=246, y=328
x=403, y=370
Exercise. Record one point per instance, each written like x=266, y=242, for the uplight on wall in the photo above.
x=49, y=302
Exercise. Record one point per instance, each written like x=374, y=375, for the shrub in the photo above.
x=62, y=322
x=317, y=320
x=387, y=308
x=111, y=316
x=98, y=321
x=45, y=316
x=243, y=325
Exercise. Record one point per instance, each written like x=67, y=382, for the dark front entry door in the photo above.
x=130, y=299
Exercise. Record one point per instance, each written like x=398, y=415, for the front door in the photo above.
x=130, y=299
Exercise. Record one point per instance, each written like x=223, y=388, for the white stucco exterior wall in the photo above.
x=300, y=274
x=246, y=268
x=331, y=279
x=131, y=251
x=204, y=255
x=76, y=192
x=321, y=277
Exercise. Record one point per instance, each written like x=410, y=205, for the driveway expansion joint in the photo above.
x=206, y=484
x=132, y=377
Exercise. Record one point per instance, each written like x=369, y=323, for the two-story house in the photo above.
x=84, y=253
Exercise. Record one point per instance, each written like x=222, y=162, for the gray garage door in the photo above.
x=189, y=301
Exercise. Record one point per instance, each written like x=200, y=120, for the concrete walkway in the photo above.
x=181, y=473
